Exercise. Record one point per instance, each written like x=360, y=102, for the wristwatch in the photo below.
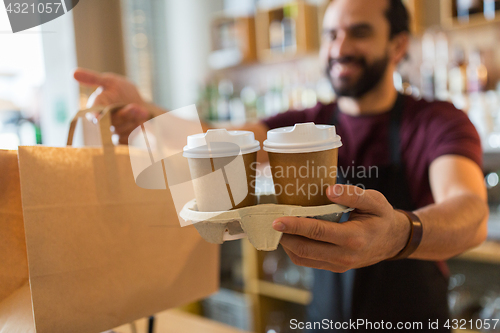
x=415, y=238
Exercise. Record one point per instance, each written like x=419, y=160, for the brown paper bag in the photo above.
x=102, y=251
x=15, y=300
x=13, y=262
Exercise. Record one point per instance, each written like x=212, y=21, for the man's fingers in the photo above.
x=128, y=119
x=122, y=117
x=367, y=201
x=123, y=139
x=308, y=248
x=312, y=263
x=319, y=230
x=126, y=129
x=98, y=98
x=131, y=113
x=89, y=77
x=306, y=262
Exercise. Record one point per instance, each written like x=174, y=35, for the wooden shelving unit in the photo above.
x=250, y=276
x=263, y=292
x=253, y=35
x=266, y=295
x=282, y=292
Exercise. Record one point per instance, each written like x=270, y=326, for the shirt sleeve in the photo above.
x=452, y=133
x=289, y=118
x=318, y=114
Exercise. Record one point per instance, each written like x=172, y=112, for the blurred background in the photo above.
x=242, y=60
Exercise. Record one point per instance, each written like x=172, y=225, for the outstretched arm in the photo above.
x=116, y=89
x=375, y=232
x=458, y=220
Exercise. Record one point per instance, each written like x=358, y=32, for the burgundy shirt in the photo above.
x=428, y=130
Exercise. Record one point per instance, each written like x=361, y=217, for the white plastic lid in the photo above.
x=220, y=143
x=302, y=138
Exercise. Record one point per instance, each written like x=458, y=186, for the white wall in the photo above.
x=186, y=49
x=21, y=63
x=60, y=90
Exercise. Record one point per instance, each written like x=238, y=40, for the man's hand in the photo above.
x=116, y=89
x=111, y=88
x=374, y=232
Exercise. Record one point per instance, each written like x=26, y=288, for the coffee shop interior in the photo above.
x=244, y=60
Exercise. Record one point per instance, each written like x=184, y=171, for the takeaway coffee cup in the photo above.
x=222, y=167
x=303, y=161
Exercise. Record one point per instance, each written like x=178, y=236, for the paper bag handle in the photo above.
x=104, y=119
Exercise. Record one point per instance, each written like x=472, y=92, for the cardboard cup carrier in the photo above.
x=303, y=161
x=223, y=170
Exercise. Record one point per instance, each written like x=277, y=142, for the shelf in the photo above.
x=268, y=57
x=281, y=292
x=475, y=20
x=488, y=252
x=449, y=21
x=176, y=320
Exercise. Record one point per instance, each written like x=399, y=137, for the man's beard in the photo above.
x=370, y=76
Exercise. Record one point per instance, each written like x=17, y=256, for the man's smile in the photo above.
x=344, y=70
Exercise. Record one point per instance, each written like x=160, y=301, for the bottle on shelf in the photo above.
x=309, y=94
x=249, y=99
x=278, y=268
x=490, y=9
x=477, y=73
x=458, y=72
x=226, y=90
x=286, y=97
x=458, y=79
x=427, y=67
x=289, y=28
x=276, y=36
x=278, y=91
x=227, y=36
x=207, y=101
x=273, y=96
x=237, y=111
x=466, y=8
x=441, y=67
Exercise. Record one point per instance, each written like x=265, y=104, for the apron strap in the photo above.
x=334, y=291
x=396, y=115
x=394, y=131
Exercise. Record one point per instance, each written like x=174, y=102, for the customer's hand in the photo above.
x=374, y=232
x=116, y=89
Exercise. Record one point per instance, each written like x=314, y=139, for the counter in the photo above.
x=177, y=321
